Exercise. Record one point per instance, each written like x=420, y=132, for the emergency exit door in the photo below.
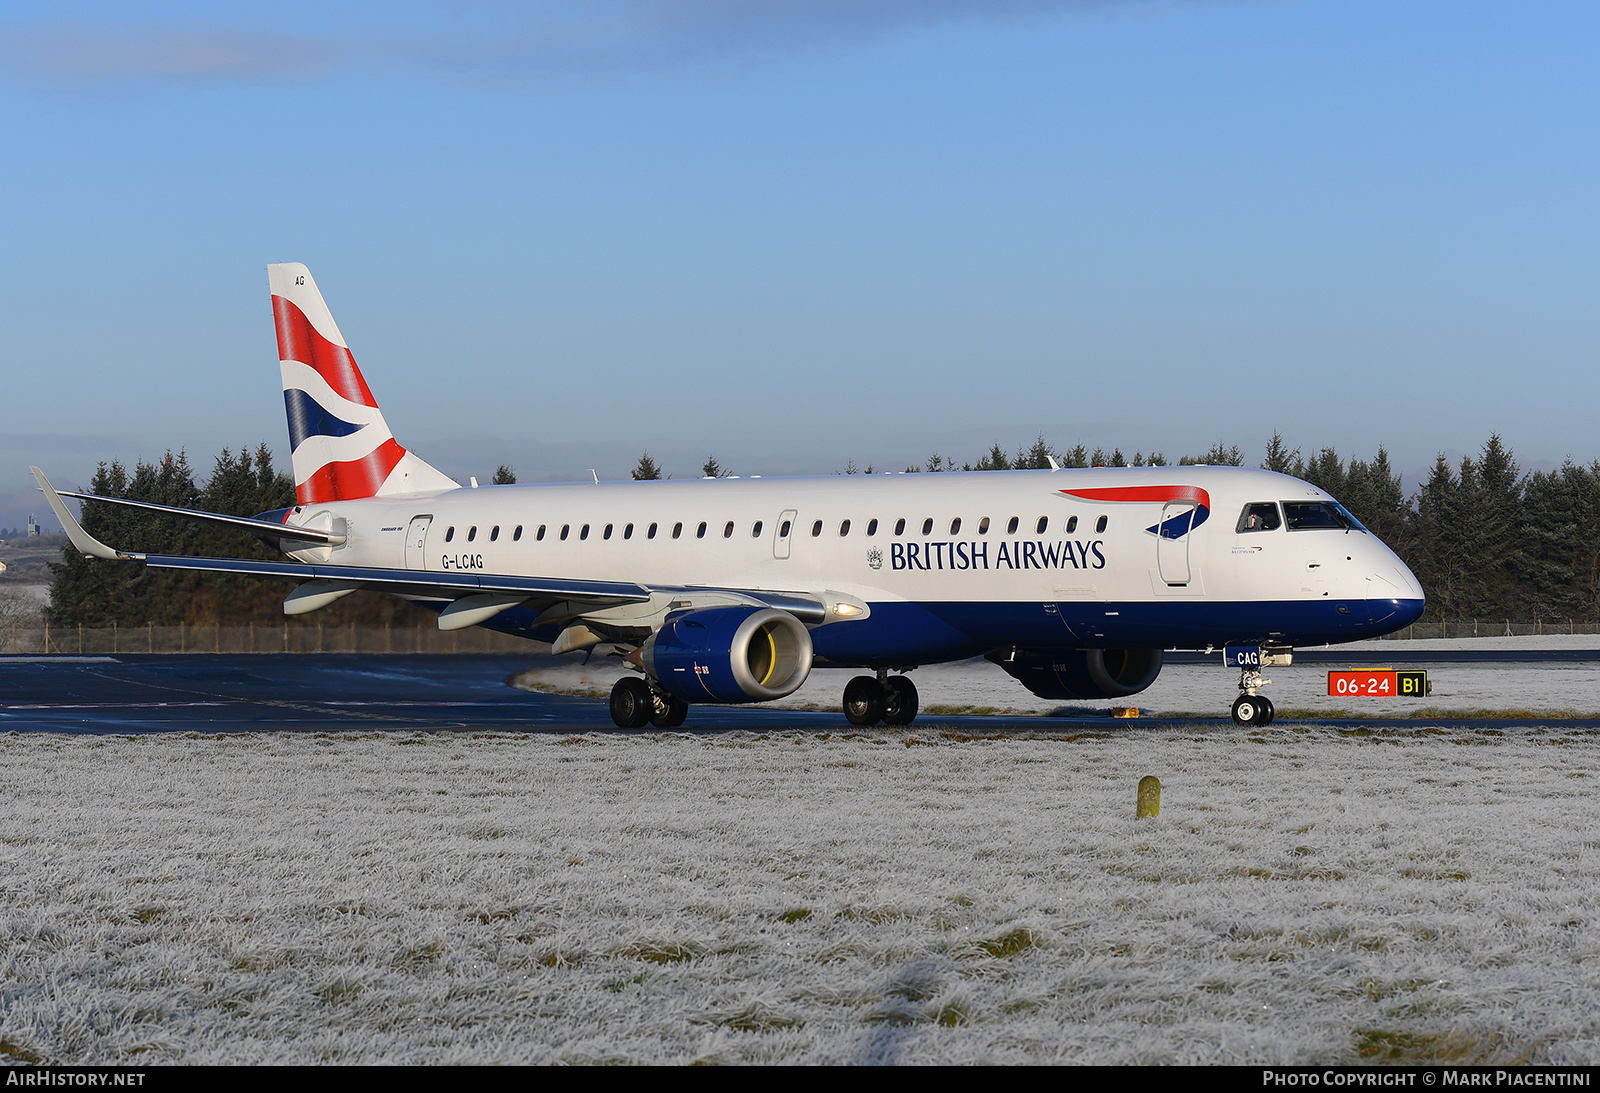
x=783, y=533
x=417, y=542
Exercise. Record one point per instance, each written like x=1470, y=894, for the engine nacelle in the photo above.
x=1081, y=673
x=730, y=654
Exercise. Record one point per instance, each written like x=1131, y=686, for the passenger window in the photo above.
x=755, y=530
x=1011, y=528
x=927, y=526
x=1072, y=524
x=844, y=528
x=677, y=529
x=783, y=529
x=606, y=534
x=900, y=526
x=564, y=529
x=983, y=526
x=1100, y=524
x=1259, y=516
x=872, y=528
x=727, y=532
x=449, y=533
x=955, y=526
x=472, y=533
x=539, y=535
x=627, y=532
x=516, y=536
x=494, y=533
x=651, y=534
x=1044, y=522
x=583, y=532
x=816, y=529
x=701, y=534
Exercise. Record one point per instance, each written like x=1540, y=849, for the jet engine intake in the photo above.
x=1081, y=673
x=730, y=654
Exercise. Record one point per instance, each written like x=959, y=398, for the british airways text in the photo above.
x=1017, y=555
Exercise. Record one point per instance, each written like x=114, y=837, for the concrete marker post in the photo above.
x=1149, y=797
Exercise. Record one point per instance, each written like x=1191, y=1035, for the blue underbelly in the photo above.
x=905, y=633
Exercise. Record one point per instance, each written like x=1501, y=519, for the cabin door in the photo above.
x=1172, y=541
x=785, y=529
x=417, y=542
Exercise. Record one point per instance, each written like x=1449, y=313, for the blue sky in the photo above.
x=795, y=234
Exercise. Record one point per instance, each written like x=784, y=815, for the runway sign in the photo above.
x=1378, y=683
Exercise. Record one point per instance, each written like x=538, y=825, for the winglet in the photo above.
x=87, y=544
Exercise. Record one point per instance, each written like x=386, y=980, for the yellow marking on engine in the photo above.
x=772, y=654
x=701, y=679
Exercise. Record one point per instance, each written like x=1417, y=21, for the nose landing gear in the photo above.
x=1251, y=708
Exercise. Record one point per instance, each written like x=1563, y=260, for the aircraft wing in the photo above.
x=243, y=523
x=412, y=582
x=91, y=547
x=475, y=597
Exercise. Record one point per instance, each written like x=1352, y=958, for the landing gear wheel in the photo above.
x=667, y=712
x=1264, y=711
x=631, y=704
x=899, y=701
x=1246, y=708
x=863, y=701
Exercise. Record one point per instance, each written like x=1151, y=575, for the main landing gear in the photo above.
x=634, y=705
x=886, y=698
x=1251, y=708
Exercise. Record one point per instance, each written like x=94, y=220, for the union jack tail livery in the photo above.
x=341, y=447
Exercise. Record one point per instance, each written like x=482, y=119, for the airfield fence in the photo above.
x=256, y=638
x=299, y=637
x=1492, y=628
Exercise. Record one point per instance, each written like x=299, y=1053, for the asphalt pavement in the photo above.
x=342, y=693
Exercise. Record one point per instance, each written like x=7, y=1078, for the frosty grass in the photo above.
x=1307, y=895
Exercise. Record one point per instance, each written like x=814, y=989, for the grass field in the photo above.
x=1306, y=895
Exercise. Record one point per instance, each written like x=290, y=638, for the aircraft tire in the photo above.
x=1245, y=709
x=863, y=701
x=631, y=704
x=1264, y=712
x=899, y=701
x=667, y=712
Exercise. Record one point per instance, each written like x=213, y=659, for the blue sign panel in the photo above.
x=1241, y=656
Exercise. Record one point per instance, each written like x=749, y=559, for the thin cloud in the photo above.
x=472, y=41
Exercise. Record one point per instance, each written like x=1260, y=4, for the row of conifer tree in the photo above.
x=1486, y=541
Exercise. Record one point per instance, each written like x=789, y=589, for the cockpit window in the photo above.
x=1259, y=516
x=1319, y=515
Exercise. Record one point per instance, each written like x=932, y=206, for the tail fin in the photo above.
x=341, y=447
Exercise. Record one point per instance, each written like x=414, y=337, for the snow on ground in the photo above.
x=1307, y=895
x=1209, y=689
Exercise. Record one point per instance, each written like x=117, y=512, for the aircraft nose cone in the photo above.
x=1407, y=612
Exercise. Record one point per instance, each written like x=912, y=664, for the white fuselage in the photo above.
x=962, y=552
